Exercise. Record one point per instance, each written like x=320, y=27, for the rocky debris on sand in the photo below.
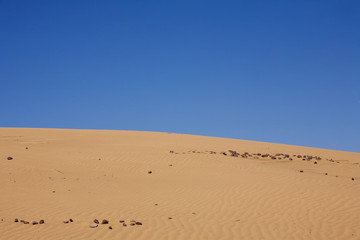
x=41, y=221
x=110, y=227
x=9, y=158
x=96, y=221
x=34, y=223
x=149, y=172
x=122, y=221
x=16, y=220
x=124, y=224
x=234, y=153
x=353, y=179
x=71, y=220
x=104, y=221
x=93, y=225
x=65, y=222
x=301, y=170
x=25, y=222
x=138, y=223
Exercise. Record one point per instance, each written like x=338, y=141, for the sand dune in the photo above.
x=196, y=190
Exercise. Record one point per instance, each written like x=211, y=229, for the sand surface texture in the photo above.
x=197, y=188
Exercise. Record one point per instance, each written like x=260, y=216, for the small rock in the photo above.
x=132, y=224
x=9, y=158
x=353, y=179
x=110, y=227
x=301, y=170
x=34, y=223
x=65, y=222
x=93, y=225
x=104, y=221
x=124, y=224
x=326, y=173
x=41, y=221
x=26, y=222
x=170, y=218
x=149, y=172
x=315, y=162
x=138, y=223
x=26, y=148
x=71, y=220
x=53, y=191
x=96, y=221
x=16, y=220
x=122, y=221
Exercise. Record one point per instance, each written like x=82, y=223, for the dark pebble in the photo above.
x=122, y=221
x=149, y=172
x=16, y=220
x=34, y=223
x=353, y=179
x=110, y=227
x=104, y=221
x=124, y=224
x=301, y=171
x=96, y=221
x=41, y=221
x=9, y=158
x=71, y=220
x=138, y=223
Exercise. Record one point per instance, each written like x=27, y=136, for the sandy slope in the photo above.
x=207, y=196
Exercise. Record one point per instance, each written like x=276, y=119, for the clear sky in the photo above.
x=275, y=71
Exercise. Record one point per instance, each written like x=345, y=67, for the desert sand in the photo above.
x=177, y=186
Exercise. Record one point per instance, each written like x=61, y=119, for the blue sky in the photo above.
x=275, y=71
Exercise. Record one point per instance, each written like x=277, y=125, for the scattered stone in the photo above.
x=171, y=151
x=132, y=224
x=35, y=223
x=138, y=223
x=104, y=221
x=9, y=158
x=96, y=221
x=71, y=220
x=124, y=224
x=299, y=156
x=194, y=213
x=16, y=220
x=122, y=221
x=170, y=218
x=326, y=173
x=301, y=171
x=53, y=191
x=93, y=225
x=315, y=162
x=26, y=148
x=353, y=179
x=170, y=165
x=234, y=153
x=65, y=222
x=156, y=204
x=25, y=222
x=110, y=227
x=149, y=172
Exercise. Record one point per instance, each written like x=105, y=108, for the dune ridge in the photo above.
x=194, y=190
